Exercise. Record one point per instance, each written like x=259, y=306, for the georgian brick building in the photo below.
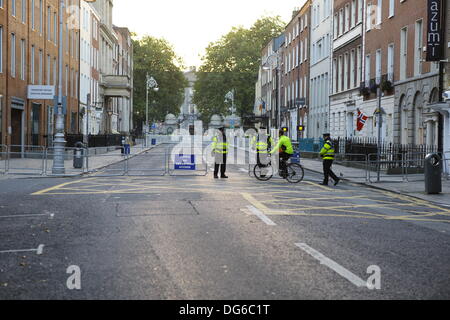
x=394, y=57
x=29, y=42
x=295, y=71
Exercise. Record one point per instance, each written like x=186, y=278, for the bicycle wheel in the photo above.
x=263, y=173
x=296, y=173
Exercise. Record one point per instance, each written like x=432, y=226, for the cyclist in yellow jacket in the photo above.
x=327, y=153
x=285, y=150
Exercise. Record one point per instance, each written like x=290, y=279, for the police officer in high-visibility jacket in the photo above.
x=263, y=144
x=327, y=153
x=285, y=149
x=220, y=152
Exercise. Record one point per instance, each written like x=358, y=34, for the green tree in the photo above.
x=233, y=63
x=156, y=57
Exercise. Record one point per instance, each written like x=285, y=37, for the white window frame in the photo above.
x=390, y=61
x=403, y=53
x=418, y=44
x=13, y=55
x=335, y=26
x=32, y=64
x=360, y=11
x=347, y=18
x=1, y=49
x=369, y=17
x=367, y=69
x=352, y=69
x=346, y=58
x=339, y=73
x=41, y=68
x=378, y=61
x=358, y=65
x=24, y=10
x=353, y=14
x=306, y=48
x=33, y=20
x=335, y=75
x=391, y=8
x=379, y=12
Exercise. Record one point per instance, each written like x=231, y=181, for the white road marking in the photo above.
x=357, y=281
x=50, y=215
x=38, y=251
x=261, y=216
x=243, y=170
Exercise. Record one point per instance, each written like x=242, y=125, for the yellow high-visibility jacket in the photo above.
x=261, y=146
x=328, y=152
x=219, y=146
x=284, y=144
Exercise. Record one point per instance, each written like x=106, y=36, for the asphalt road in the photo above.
x=193, y=237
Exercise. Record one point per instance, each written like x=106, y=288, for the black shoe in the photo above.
x=224, y=177
x=337, y=182
x=216, y=177
x=324, y=184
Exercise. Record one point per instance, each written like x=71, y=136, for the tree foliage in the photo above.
x=233, y=63
x=157, y=58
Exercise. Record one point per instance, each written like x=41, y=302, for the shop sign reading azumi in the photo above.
x=435, y=39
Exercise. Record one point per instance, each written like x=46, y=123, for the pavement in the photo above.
x=154, y=237
x=29, y=168
x=412, y=185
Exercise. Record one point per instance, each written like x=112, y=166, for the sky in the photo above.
x=190, y=25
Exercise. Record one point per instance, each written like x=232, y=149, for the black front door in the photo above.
x=16, y=132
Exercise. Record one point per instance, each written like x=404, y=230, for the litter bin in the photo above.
x=153, y=142
x=433, y=174
x=78, y=156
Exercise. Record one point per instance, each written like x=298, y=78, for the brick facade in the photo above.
x=35, y=29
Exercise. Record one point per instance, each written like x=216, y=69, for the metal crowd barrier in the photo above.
x=3, y=158
x=414, y=166
x=154, y=164
x=394, y=162
x=354, y=161
x=69, y=154
x=111, y=167
x=446, y=165
x=25, y=160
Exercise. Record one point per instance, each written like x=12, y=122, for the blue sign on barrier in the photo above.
x=185, y=162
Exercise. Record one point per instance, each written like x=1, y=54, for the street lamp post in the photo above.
x=150, y=84
x=275, y=58
x=59, y=141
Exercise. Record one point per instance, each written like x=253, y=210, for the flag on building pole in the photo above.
x=361, y=122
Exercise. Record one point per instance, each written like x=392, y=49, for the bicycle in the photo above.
x=295, y=172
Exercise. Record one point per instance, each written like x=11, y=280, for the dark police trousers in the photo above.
x=221, y=162
x=327, y=164
x=284, y=158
